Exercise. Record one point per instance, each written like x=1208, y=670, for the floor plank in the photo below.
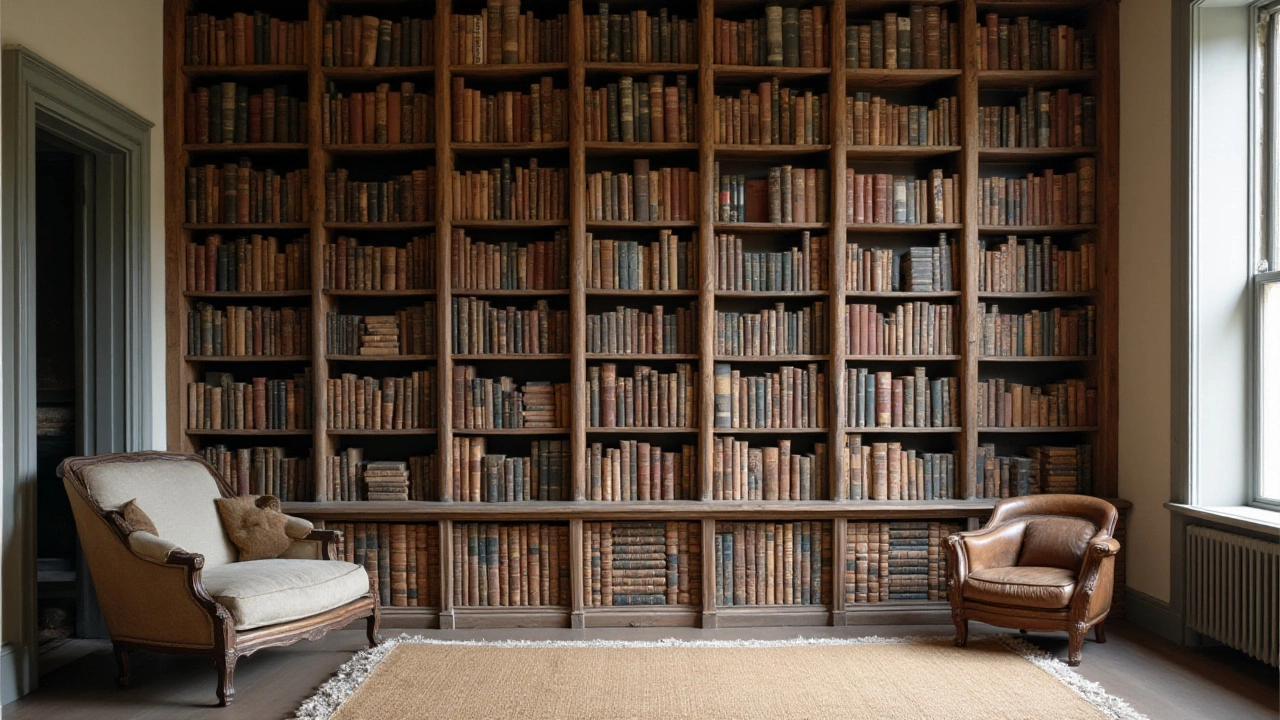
x=1156, y=677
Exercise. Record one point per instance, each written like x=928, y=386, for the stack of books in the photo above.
x=381, y=335
x=386, y=480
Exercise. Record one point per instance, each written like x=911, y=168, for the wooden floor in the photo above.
x=1159, y=679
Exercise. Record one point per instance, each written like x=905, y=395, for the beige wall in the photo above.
x=117, y=47
x=1145, y=59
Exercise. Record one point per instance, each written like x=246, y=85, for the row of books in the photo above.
x=1058, y=332
x=875, y=398
x=235, y=193
x=409, y=331
x=668, y=263
x=896, y=560
x=641, y=471
x=640, y=36
x=648, y=398
x=923, y=38
x=510, y=116
x=784, y=37
x=219, y=402
x=392, y=403
x=510, y=565
x=501, y=35
x=344, y=477
x=632, y=331
x=910, y=329
x=1024, y=43
x=917, y=269
x=789, y=397
x=478, y=328
x=479, y=476
x=885, y=471
x=1040, y=119
x=379, y=117
x=1024, y=265
x=1045, y=199
x=1043, y=469
x=403, y=560
x=509, y=265
x=252, y=263
x=772, y=115
x=244, y=39
x=348, y=265
x=643, y=195
x=402, y=198
x=872, y=120
x=262, y=471
x=881, y=198
x=369, y=41
x=485, y=403
x=773, y=331
x=230, y=113
x=772, y=563
x=641, y=563
x=799, y=269
x=1070, y=403
x=237, y=331
x=788, y=195
x=510, y=192
x=641, y=110
x=742, y=472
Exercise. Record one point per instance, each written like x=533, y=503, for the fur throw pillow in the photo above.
x=135, y=519
x=255, y=525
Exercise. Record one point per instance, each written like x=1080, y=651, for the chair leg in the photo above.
x=962, y=631
x=122, y=662
x=1075, y=644
x=1100, y=634
x=226, y=678
x=372, y=629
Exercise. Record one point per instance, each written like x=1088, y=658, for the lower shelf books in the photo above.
x=1044, y=469
x=912, y=328
x=799, y=269
x=345, y=480
x=792, y=397
x=539, y=265
x=632, y=331
x=482, y=477
x=510, y=565
x=919, y=269
x=511, y=193
x=235, y=193
x=403, y=560
x=789, y=195
x=262, y=471
x=1039, y=333
x=1025, y=265
x=480, y=328
x=1045, y=199
x=772, y=563
x=1066, y=404
x=742, y=472
x=221, y=403
x=484, y=403
x=510, y=116
x=877, y=399
x=229, y=113
x=348, y=265
x=873, y=120
x=665, y=264
x=667, y=194
x=402, y=198
x=881, y=198
x=775, y=331
x=247, y=263
x=243, y=331
x=411, y=331
x=646, y=109
x=648, y=398
x=896, y=561
x=641, y=563
x=639, y=471
x=396, y=116
x=884, y=471
x=393, y=403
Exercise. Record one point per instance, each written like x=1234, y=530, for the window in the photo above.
x=1265, y=260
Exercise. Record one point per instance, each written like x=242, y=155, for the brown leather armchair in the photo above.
x=1043, y=562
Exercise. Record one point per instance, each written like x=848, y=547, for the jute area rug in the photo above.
x=994, y=678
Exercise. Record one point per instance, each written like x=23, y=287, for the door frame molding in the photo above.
x=116, y=398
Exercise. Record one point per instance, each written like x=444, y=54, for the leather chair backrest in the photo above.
x=1055, y=541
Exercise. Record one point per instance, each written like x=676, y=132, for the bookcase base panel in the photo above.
x=508, y=617
x=773, y=616
x=411, y=618
x=659, y=616
x=904, y=613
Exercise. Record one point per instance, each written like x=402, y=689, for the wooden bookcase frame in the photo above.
x=1101, y=17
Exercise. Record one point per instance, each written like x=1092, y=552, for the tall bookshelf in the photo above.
x=833, y=517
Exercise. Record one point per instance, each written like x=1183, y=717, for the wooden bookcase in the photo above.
x=968, y=84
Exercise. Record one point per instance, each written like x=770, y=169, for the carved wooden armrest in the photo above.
x=1097, y=578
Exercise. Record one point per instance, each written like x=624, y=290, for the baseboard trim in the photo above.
x=1153, y=614
x=9, y=676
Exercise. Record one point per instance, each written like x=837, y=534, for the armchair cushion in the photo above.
x=1056, y=541
x=267, y=592
x=136, y=519
x=1049, y=588
x=255, y=524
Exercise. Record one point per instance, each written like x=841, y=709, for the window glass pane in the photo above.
x=1269, y=415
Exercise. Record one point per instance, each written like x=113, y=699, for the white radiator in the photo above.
x=1233, y=591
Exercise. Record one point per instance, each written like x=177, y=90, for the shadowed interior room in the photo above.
x=690, y=359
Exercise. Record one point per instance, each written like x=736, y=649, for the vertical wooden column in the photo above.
x=709, y=619
x=177, y=370
x=838, y=489
x=1104, y=18
x=444, y=297
x=839, y=558
x=706, y=246
x=318, y=163
x=577, y=298
x=971, y=320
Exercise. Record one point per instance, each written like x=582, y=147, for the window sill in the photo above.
x=1244, y=517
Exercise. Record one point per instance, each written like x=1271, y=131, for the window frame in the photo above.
x=1264, y=245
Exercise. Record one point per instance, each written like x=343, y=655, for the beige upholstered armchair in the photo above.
x=181, y=589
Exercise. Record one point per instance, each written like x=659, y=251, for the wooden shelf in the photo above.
x=510, y=71
x=509, y=224
x=899, y=152
x=633, y=68
x=1037, y=430
x=769, y=431
x=858, y=79
x=519, y=357
x=888, y=228
x=380, y=358
x=771, y=358
x=379, y=226
x=248, y=72
x=509, y=293
x=1037, y=79
x=772, y=294
x=900, y=358
x=1034, y=229
x=247, y=295
x=511, y=431
x=378, y=149
x=251, y=148
x=637, y=149
x=247, y=358
x=1037, y=359
x=1044, y=295
x=380, y=293
x=374, y=74
x=903, y=430
x=597, y=292
x=638, y=357
x=753, y=226
x=347, y=432
x=765, y=72
x=768, y=152
x=900, y=294
x=249, y=433
x=479, y=148
x=245, y=227
x=1028, y=155
x=641, y=430
x=640, y=225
